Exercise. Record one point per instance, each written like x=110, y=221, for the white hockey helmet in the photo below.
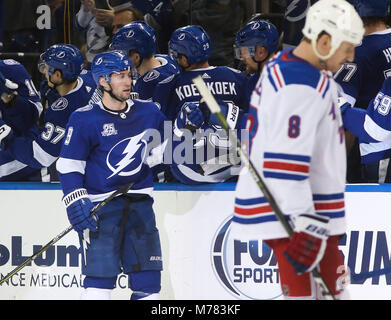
x=336, y=17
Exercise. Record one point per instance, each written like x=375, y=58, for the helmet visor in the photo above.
x=41, y=64
x=240, y=53
x=173, y=54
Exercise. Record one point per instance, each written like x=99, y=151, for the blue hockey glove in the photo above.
x=343, y=105
x=6, y=135
x=190, y=117
x=79, y=208
x=307, y=246
x=48, y=93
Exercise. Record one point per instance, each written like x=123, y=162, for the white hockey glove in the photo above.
x=343, y=105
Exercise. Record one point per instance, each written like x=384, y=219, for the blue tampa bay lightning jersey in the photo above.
x=106, y=149
x=24, y=113
x=145, y=85
x=225, y=84
x=373, y=126
x=40, y=148
x=211, y=156
x=363, y=78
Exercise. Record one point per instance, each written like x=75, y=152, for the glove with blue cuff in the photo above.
x=79, y=207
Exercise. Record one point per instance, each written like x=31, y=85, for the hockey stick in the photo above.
x=215, y=109
x=124, y=189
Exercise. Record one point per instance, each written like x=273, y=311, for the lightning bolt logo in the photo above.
x=134, y=144
x=292, y=6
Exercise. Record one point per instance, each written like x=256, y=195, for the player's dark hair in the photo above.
x=372, y=21
x=66, y=81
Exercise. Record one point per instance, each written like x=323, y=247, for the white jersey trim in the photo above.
x=368, y=148
x=374, y=130
x=11, y=167
x=65, y=165
x=44, y=158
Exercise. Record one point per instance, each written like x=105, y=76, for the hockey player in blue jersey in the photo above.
x=372, y=127
x=20, y=103
x=362, y=79
x=203, y=151
x=106, y=148
x=255, y=44
x=40, y=147
x=179, y=100
x=190, y=47
x=138, y=40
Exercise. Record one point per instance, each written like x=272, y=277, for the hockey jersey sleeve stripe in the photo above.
x=286, y=166
x=44, y=158
x=332, y=214
x=332, y=196
x=329, y=205
x=65, y=166
x=256, y=220
x=287, y=156
x=250, y=201
x=289, y=166
x=11, y=167
x=371, y=152
x=284, y=176
x=253, y=211
x=374, y=130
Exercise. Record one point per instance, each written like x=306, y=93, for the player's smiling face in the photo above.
x=121, y=84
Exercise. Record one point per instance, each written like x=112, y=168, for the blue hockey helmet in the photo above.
x=64, y=57
x=104, y=64
x=191, y=41
x=256, y=33
x=372, y=8
x=136, y=36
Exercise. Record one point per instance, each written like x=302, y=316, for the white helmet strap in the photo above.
x=323, y=58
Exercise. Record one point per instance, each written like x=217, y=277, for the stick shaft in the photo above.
x=122, y=190
x=215, y=109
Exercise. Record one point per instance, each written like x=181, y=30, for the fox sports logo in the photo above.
x=247, y=269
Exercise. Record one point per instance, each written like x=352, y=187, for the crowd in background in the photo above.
x=220, y=18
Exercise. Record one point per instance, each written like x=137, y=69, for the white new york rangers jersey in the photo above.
x=297, y=146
